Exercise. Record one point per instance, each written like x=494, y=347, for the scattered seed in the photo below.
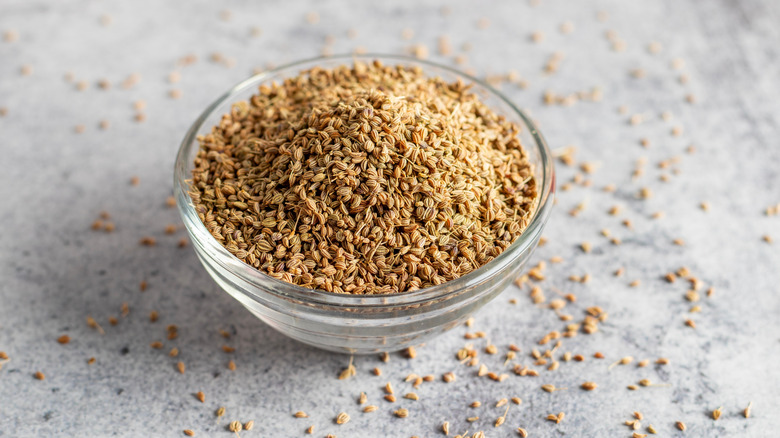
x=680, y=425
x=716, y=413
x=551, y=388
x=94, y=324
x=370, y=408
x=249, y=425
x=189, y=432
x=746, y=412
x=181, y=367
x=589, y=386
x=401, y=413
x=64, y=339
x=200, y=396
x=10, y=36
x=349, y=371
x=556, y=418
x=39, y=375
x=342, y=418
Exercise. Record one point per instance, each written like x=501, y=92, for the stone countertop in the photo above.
x=56, y=271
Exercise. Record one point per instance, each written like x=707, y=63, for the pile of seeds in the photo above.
x=364, y=180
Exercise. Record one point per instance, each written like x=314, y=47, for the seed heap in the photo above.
x=364, y=180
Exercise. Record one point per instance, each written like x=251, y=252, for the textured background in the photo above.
x=55, y=271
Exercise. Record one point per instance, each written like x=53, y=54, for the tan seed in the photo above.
x=680, y=425
x=342, y=418
x=189, y=432
x=589, y=386
x=249, y=425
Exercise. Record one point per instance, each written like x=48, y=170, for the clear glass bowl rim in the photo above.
x=229, y=262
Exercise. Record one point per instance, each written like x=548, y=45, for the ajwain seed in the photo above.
x=401, y=413
x=342, y=418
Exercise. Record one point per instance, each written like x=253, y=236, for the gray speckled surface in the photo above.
x=55, y=271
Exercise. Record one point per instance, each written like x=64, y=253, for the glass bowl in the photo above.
x=360, y=324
